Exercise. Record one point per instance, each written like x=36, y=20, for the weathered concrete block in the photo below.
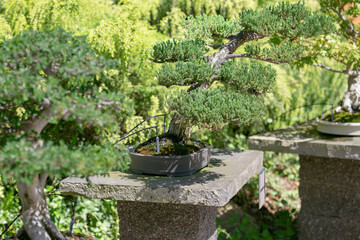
x=328, y=228
x=327, y=188
x=164, y=221
x=331, y=171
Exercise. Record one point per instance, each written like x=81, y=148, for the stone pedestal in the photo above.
x=179, y=208
x=140, y=221
x=329, y=180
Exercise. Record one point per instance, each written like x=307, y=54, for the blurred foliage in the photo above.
x=282, y=228
x=302, y=95
x=213, y=26
x=73, y=15
x=5, y=29
x=92, y=216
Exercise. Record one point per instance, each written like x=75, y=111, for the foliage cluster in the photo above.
x=214, y=108
x=56, y=78
x=177, y=50
x=205, y=27
x=289, y=20
x=251, y=77
x=185, y=73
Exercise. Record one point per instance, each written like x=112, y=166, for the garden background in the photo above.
x=126, y=30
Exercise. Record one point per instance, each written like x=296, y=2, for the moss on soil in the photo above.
x=343, y=117
x=78, y=236
x=169, y=146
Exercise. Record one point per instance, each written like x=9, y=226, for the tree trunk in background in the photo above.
x=351, y=100
x=179, y=128
x=35, y=212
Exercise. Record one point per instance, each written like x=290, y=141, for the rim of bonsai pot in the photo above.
x=353, y=124
x=131, y=150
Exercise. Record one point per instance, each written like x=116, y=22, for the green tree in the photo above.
x=57, y=104
x=342, y=47
x=222, y=91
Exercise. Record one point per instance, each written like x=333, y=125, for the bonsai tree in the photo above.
x=221, y=89
x=57, y=105
x=343, y=47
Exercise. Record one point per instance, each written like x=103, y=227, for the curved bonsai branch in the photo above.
x=229, y=48
x=350, y=26
x=240, y=55
x=330, y=69
x=37, y=124
x=244, y=55
x=214, y=46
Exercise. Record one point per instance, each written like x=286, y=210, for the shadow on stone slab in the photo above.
x=203, y=176
x=220, y=152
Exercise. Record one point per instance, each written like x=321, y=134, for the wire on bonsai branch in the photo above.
x=127, y=134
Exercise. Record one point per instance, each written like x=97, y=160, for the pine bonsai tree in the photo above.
x=57, y=105
x=222, y=90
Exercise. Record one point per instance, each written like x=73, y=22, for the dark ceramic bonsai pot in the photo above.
x=181, y=165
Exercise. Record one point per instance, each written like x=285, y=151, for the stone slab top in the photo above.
x=214, y=185
x=306, y=140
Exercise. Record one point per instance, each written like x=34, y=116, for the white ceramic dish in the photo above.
x=341, y=129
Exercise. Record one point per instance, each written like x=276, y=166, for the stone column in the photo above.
x=140, y=221
x=330, y=198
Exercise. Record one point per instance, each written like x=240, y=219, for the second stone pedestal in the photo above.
x=176, y=208
x=329, y=180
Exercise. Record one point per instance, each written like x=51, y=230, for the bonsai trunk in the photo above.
x=179, y=128
x=351, y=100
x=35, y=212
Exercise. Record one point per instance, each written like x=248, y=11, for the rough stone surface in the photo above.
x=329, y=228
x=214, y=185
x=330, y=198
x=306, y=140
x=162, y=221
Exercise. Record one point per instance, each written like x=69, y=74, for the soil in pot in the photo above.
x=344, y=124
x=78, y=236
x=343, y=117
x=170, y=145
